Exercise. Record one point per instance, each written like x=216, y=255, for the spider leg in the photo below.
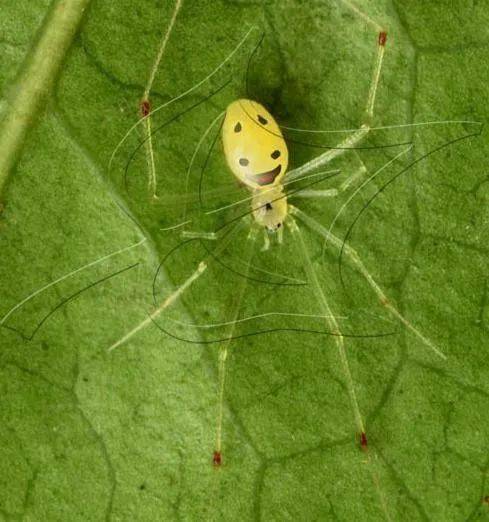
x=266, y=241
x=371, y=458
x=194, y=234
x=355, y=260
x=357, y=136
x=179, y=291
x=314, y=194
x=353, y=179
x=328, y=156
x=174, y=296
x=331, y=323
x=224, y=348
x=145, y=105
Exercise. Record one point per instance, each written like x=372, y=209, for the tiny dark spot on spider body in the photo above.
x=237, y=127
x=243, y=162
x=275, y=154
x=268, y=206
x=262, y=120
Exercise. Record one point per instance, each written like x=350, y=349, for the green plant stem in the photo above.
x=36, y=79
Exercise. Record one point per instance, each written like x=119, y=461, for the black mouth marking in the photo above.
x=268, y=177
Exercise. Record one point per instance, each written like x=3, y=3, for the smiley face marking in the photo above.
x=266, y=178
x=254, y=147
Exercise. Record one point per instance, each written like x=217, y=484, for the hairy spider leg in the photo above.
x=340, y=343
x=355, y=177
x=224, y=347
x=365, y=183
x=356, y=137
x=177, y=293
x=145, y=105
x=355, y=260
x=329, y=318
x=362, y=15
x=193, y=234
x=352, y=180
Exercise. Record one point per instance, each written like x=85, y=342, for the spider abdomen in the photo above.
x=254, y=147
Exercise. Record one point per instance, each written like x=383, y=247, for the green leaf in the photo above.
x=88, y=434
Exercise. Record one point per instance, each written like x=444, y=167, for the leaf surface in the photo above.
x=129, y=435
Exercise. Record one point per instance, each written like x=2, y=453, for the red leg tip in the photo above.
x=217, y=459
x=382, y=38
x=144, y=108
x=363, y=441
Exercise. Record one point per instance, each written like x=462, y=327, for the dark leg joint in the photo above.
x=217, y=459
x=144, y=108
x=363, y=441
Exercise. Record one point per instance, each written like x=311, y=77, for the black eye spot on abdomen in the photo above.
x=237, y=127
x=243, y=162
x=275, y=154
x=262, y=120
